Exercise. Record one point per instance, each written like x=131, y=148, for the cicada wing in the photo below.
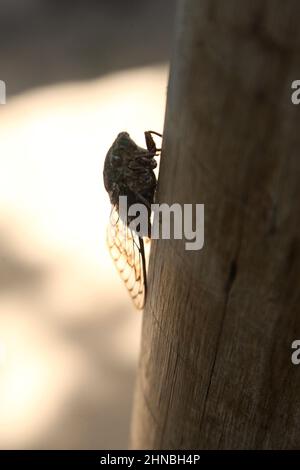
x=127, y=251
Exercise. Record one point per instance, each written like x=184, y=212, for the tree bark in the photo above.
x=215, y=367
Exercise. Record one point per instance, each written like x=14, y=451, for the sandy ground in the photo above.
x=69, y=335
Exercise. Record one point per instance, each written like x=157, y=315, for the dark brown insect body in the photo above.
x=128, y=171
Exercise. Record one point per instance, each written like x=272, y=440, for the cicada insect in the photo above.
x=128, y=171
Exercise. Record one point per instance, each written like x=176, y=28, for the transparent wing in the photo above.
x=127, y=251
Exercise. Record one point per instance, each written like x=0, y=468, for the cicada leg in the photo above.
x=151, y=145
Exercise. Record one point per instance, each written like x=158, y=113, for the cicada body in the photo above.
x=128, y=171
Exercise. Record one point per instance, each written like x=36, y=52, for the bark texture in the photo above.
x=215, y=368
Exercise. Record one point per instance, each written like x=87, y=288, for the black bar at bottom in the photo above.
x=132, y=459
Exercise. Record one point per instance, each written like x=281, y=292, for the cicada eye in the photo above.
x=116, y=160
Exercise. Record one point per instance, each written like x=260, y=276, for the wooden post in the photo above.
x=215, y=368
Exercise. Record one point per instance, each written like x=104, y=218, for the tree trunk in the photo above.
x=215, y=368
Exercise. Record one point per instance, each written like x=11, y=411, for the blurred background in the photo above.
x=76, y=73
